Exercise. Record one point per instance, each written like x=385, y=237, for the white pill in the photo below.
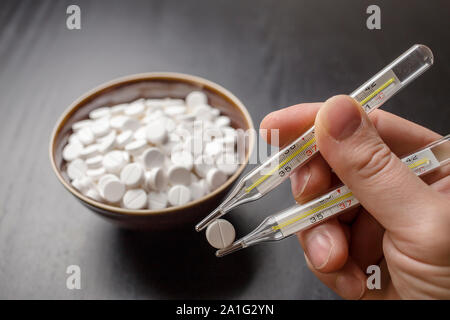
x=154, y=104
x=89, y=151
x=86, y=136
x=156, y=179
x=156, y=132
x=183, y=158
x=130, y=124
x=179, y=175
x=100, y=128
x=196, y=98
x=169, y=123
x=95, y=174
x=227, y=163
x=215, y=178
x=112, y=190
x=222, y=121
x=100, y=113
x=204, y=113
x=135, y=199
x=114, y=161
x=118, y=109
x=215, y=112
x=167, y=102
x=203, y=164
x=93, y=194
x=194, y=144
x=107, y=142
x=117, y=122
x=197, y=190
x=132, y=175
x=140, y=134
x=105, y=178
x=136, y=147
x=135, y=109
x=153, y=158
x=74, y=138
x=124, y=138
x=213, y=149
x=81, y=124
x=157, y=200
x=76, y=169
x=153, y=116
x=175, y=110
x=72, y=151
x=179, y=195
x=220, y=234
x=94, y=162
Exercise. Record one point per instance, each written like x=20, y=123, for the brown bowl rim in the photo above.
x=217, y=89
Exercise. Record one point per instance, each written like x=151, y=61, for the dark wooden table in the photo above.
x=271, y=54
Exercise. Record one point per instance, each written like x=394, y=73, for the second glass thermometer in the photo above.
x=371, y=95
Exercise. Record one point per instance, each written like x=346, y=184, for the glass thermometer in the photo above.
x=335, y=202
x=371, y=95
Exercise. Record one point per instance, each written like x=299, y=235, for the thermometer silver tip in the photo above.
x=232, y=248
x=209, y=218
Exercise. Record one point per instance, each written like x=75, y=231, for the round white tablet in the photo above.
x=85, y=135
x=135, y=199
x=81, y=124
x=227, y=163
x=215, y=178
x=114, y=161
x=118, y=109
x=72, y=151
x=213, y=148
x=100, y=128
x=135, y=109
x=203, y=164
x=179, y=195
x=153, y=158
x=197, y=190
x=89, y=151
x=222, y=121
x=157, y=200
x=156, y=132
x=76, y=169
x=112, y=190
x=130, y=124
x=95, y=174
x=136, y=147
x=194, y=144
x=107, y=142
x=132, y=175
x=94, y=162
x=220, y=234
x=100, y=113
x=156, y=179
x=124, y=138
x=182, y=158
x=196, y=98
x=93, y=194
x=179, y=175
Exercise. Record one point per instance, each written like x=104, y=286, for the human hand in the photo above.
x=404, y=222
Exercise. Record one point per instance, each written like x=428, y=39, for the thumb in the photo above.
x=380, y=181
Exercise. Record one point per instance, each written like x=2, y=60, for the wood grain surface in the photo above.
x=270, y=54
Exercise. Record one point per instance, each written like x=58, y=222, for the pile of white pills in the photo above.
x=151, y=153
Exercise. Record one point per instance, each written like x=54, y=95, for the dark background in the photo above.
x=270, y=54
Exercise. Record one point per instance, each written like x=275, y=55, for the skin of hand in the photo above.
x=403, y=225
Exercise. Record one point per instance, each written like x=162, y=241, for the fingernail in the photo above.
x=342, y=117
x=318, y=248
x=349, y=286
x=299, y=181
